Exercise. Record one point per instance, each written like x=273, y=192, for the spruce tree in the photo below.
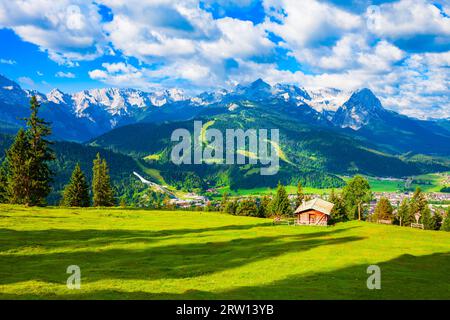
x=426, y=219
x=40, y=155
x=383, y=210
x=17, y=164
x=300, y=196
x=109, y=193
x=404, y=217
x=264, y=207
x=76, y=193
x=280, y=204
x=418, y=203
x=103, y=195
x=446, y=223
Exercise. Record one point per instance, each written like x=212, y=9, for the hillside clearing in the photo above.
x=138, y=254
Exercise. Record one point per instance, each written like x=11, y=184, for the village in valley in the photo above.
x=313, y=208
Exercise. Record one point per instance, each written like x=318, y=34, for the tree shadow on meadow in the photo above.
x=174, y=261
x=405, y=277
x=53, y=238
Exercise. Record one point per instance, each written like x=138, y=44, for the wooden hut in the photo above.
x=314, y=212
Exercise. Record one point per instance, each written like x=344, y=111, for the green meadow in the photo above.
x=139, y=254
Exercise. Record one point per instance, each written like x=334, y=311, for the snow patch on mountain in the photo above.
x=329, y=99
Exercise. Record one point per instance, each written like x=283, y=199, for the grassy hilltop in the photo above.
x=137, y=254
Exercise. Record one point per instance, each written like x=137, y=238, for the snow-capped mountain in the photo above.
x=83, y=115
x=58, y=97
x=120, y=101
x=209, y=97
x=290, y=92
x=362, y=106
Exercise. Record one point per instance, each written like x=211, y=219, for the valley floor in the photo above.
x=138, y=254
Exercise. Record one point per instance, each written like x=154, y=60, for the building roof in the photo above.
x=316, y=204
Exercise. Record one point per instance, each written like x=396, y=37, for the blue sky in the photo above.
x=399, y=49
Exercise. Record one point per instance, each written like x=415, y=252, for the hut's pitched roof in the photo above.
x=316, y=204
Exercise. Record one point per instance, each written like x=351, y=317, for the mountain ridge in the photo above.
x=90, y=113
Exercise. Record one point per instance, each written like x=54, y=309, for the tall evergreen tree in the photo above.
x=103, y=195
x=383, y=210
x=418, y=204
x=404, y=217
x=446, y=223
x=40, y=154
x=300, y=196
x=76, y=193
x=264, y=207
x=280, y=204
x=426, y=219
x=17, y=164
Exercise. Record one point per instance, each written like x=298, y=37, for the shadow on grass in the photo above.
x=172, y=261
x=53, y=238
x=404, y=277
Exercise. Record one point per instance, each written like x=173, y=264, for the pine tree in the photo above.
x=383, y=210
x=446, y=224
x=418, y=203
x=97, y=181
x=404, y=217
x=109, y=193
x=426, y=219
x=40, y=155
x=264, y=207
x=18, y=183
x=76, y=193
x=300, y=196
x=103, y=195
x=280, y=204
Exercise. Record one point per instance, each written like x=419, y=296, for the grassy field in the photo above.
x=137, y=254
